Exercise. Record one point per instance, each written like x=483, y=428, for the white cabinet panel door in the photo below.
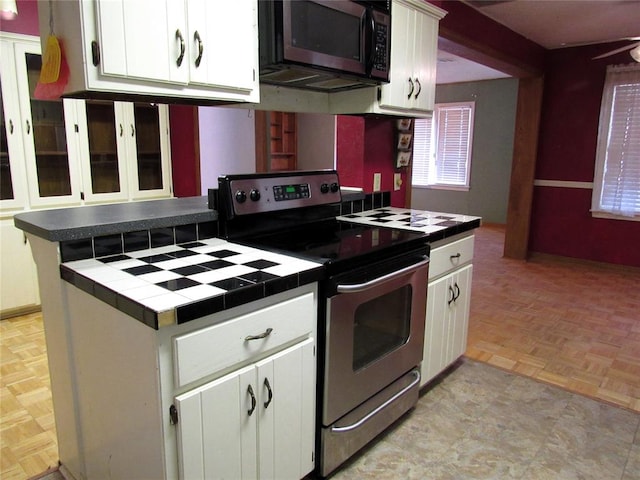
x=215, y=429
x=135, y=40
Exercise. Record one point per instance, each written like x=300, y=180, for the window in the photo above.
x=442, y=147
x=617, y=171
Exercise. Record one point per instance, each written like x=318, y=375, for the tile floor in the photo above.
x=481, y=422
x=478, y=422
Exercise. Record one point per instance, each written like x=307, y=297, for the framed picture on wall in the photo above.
x=403, y=159
x=404, y=124
x=404, y=141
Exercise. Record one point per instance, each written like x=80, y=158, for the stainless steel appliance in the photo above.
x=325, y=45
x=372, y=306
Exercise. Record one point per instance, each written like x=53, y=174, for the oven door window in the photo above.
x=380, y=326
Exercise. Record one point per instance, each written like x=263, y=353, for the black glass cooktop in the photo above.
x=333, y=242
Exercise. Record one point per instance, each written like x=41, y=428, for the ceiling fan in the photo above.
x=634, y=50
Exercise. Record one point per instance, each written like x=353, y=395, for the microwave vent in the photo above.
x=334, y=83
x=289, y=75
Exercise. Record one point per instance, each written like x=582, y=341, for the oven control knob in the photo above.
x=241, y=197
x=324, y=188
x=254, y=195
x=335, y=187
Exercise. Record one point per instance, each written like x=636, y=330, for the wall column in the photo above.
x=525, y=150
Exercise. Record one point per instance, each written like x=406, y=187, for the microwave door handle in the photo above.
x=390, y=276
x=370, y=33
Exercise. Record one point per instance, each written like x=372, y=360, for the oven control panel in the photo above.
x=259, y=193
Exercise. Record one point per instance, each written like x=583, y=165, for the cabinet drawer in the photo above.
x=450, y=256
x=212, y=349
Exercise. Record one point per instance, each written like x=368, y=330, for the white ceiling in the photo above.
x=551, y=24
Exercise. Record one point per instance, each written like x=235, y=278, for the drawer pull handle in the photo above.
x=264, y=334
x=457, y=255
x=253, y=400
x=269, y=392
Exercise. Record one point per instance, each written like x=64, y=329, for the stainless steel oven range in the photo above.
x=372, y=306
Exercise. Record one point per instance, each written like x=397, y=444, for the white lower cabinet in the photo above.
x=18, y=276
x=256, y=422
x=448, y=302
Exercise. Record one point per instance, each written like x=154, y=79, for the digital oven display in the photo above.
x=290, y=192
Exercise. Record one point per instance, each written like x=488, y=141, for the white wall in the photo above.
x=227, y=143
x=492, y=152
x=316, y=141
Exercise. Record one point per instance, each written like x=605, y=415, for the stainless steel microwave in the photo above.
x=324, y=45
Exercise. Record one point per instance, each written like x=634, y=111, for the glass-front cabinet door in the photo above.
x=150, y=172
x=52, y=179
x=12, y=188
x=104, y=169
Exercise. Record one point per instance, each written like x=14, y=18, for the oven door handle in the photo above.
x=390, y=276
x=373, y=412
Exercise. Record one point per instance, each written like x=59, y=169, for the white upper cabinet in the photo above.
x=412, y=79
x=182, y=49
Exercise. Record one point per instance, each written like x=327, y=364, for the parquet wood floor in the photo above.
x=571, y=324
x=568, y=323
x=27, y=429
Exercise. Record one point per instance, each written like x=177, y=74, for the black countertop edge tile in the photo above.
x=277, y=285
x=313, y=275
x=95, y=220
x=199, y=309
x=240, y=296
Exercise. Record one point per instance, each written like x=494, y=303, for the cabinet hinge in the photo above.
x=81, y=195
x=173, y=415
x=254, y=74
x=313, y=459
x=379, y=94
x=95, y=53
x=76, y=128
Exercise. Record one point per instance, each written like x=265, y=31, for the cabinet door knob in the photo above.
x=457, y=292
x=253, y=400
x=133, y=131
x=419, y=88
x=269, y=392
x=182, y=48
x=196, y=37
x=11, y=126
x=121, y=130
x=412, y=86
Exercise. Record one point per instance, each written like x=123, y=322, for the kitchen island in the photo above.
x=137, y=373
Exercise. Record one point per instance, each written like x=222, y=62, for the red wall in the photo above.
x=561, y=222
x=184, y=157
x=364, y=146
x=26, y=22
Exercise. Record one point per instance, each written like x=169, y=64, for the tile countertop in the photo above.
x=436, y=225
x=177, y=283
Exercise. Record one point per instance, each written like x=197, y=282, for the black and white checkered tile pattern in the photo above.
x=175, y=276
x=410, y=219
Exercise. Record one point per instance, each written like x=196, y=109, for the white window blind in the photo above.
x=617, y=172
x=442, y=146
